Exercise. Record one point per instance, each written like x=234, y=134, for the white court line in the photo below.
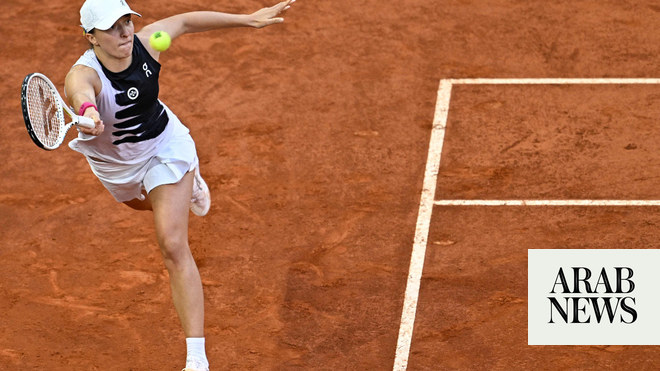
x=430, y=181
x=547, y=202
x=552, y=81
x=423, y=224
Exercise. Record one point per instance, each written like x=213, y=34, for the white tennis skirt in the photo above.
x=173, y=160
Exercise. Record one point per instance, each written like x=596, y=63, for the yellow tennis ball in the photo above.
x=160, y=40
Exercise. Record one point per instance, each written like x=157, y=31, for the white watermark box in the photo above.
x=593, y=297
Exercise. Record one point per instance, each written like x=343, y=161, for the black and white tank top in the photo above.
x=135, y=120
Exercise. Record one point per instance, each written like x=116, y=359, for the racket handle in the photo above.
x=86, y=122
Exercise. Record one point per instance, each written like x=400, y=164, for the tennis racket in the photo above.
x=43, y=112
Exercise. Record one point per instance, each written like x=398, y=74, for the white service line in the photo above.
x=423, y=224
x=547, y=202
x=552, y=81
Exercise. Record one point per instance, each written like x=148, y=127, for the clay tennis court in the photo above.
x=314, y=138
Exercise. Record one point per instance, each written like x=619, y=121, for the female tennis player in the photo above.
x=139, y=150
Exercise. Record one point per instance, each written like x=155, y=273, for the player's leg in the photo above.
x=138, y=204
x=200, y=202
x=171, y=205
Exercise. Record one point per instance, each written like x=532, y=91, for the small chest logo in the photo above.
x=133, y=93
x=146, y=70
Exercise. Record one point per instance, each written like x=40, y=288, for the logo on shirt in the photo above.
x=133, y=93
x=147, y=71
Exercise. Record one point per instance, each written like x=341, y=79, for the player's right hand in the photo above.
x=98, y=123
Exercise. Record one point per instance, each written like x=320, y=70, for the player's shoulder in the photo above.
x=81, y=74
x=143, y=35
x=82, y=71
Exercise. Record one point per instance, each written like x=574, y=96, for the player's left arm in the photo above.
x=201, y=21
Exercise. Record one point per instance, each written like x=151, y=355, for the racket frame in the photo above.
x=60, y=107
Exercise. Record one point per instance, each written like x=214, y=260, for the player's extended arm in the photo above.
x=206, y=20
x=79, y=88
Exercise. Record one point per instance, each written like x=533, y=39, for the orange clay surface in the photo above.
x=313, y=137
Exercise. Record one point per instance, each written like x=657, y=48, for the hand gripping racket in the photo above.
x=43, y=112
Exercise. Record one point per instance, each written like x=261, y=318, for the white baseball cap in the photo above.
x=102, y=14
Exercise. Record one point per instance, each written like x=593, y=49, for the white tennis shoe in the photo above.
x=201, y=196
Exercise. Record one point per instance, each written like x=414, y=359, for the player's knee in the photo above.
x=175, y=251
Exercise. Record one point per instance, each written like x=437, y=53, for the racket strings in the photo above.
x=46, y=116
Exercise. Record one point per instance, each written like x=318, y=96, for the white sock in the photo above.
x=196, y=358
